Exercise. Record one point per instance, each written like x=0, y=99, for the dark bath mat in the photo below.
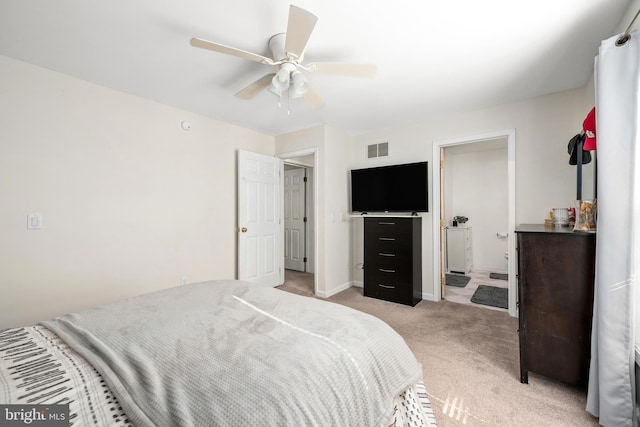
x=491, y=295
x=456, y=280
x=499, y=276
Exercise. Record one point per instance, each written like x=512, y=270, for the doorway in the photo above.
x=300, y=195
x=444, y=210
x=475, y=213
x=295, y=217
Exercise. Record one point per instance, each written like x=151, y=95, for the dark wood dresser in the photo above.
x=556, y=269
x=393, y=259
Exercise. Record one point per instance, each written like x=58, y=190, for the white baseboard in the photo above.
x=428, y=297
x=335, y=290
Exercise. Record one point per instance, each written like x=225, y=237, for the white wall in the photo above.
x=333, y=247
x=476, y=187
x=338, y=241
x=633, y=8
x=130, y=202
x=544, y=178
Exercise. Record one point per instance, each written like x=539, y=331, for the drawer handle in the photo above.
x=386, y=286
x=383, y=254
x=386, y=238
x=384, y=270
x=386, y=223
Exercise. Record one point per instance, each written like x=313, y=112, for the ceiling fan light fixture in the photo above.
x=275, y=90
x=298, y=90
x=300, y=83
x=281, y=80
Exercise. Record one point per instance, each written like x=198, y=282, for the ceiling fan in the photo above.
x=287, y=51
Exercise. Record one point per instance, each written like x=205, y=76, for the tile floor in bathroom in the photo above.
x=478, y=277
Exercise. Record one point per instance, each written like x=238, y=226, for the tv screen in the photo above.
x=396, y=188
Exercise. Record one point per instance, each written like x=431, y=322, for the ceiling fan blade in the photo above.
x=217, y=47
x=299, y=29
x=313, y=98
x=343, y=69
x=256, y=87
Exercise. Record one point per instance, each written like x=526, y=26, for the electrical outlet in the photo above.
x=184, y=280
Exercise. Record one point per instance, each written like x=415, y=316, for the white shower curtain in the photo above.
x=611, y=392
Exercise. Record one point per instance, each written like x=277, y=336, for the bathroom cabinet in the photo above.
x=393, y=259
x=556, y=270
x=459, y=252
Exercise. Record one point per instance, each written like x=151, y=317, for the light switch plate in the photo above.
x=34, y=221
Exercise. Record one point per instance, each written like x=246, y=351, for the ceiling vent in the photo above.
x=378, y=150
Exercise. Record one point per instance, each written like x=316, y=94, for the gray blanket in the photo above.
x=228, y=353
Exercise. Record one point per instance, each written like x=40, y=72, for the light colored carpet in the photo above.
x=470, y=360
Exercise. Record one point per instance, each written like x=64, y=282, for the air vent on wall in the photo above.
x=378, y=150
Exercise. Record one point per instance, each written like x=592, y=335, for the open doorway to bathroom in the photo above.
x=475, y=199
x=475, y=211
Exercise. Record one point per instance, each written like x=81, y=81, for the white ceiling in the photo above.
x=433, y=57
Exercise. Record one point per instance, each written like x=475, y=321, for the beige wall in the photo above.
x=333, y=246
x=336, y=206
x=544, y=178
x=130, y=202
x=633, y=8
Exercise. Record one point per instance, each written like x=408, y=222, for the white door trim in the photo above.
x=316, y=248
x=510, y=134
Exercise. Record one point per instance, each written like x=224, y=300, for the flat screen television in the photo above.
x=396, y=188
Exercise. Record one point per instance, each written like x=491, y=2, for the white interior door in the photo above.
x=294, y=219
x=260, y=257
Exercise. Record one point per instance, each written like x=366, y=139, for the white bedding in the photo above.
x=37, y=367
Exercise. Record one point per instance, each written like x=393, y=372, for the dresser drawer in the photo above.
x=388, y=264
x=386, y=250
x=389, y=225
x=390, y=290
x=390, y=277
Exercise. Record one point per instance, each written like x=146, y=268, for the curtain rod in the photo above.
x=626, y=36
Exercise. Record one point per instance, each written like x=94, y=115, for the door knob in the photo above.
x=243, y=229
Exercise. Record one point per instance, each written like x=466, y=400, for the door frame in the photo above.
x=314, y=182
x=510, y=134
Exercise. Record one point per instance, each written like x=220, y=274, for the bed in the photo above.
x=226, y=353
